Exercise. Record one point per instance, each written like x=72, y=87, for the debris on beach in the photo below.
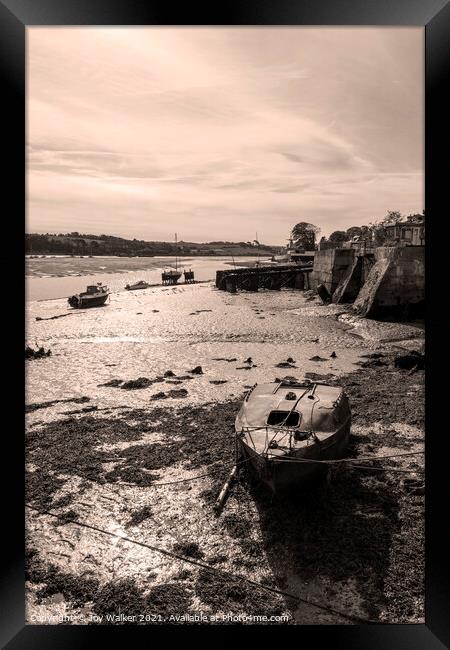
x=178, y=392
x=371, y=363
x=198, y=370
x=229, y=359
x=134, y=384
x=314, y=376
x=54, y=317
x=169, y=373
x=218, y=381
x=286, y=378
x=113, y=382
x=160, y=395
x=40, y=353
x=29, y=408
x=289, y=363
x=174, y=393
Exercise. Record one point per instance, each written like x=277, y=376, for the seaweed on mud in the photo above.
x=130, y=474
x=237, y=526
x=138, y=516
x=188, y=549
x=228, y=594
x=134, y=384
x=68, y=447
x=116, y=597
x=40, y=486
x=75, y=588
x=86, y=409
x=404, y=583
x=62, y=502
x=362, y=527
x=168, y=599
x=119, y=597
x=314, y=376
x=66, y=517
x=379, y=396
x=177, y=392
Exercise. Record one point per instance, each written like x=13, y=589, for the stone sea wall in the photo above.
x=387, y=281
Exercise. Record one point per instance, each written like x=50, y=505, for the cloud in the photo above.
x=210, y=132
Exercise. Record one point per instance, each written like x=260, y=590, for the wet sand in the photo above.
x=102, y=460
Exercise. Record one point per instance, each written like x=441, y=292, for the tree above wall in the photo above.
x=304, y=235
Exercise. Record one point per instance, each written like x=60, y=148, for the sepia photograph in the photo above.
x=225, y=334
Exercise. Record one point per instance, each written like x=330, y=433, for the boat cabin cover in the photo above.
x=305, y=406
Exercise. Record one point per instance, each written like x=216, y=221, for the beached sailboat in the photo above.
x=284, y=428
x=95, y=296
x=172, y=276
x=141, y=284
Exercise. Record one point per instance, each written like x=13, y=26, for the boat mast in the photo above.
x=176, y=253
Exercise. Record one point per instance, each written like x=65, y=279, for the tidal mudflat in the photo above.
x=118, y=424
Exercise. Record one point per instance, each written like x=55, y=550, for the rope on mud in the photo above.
x=194, y=478
x=306, y=460
x=207, y=567
x=344, y=460
x=389, y=469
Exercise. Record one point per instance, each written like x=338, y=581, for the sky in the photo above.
x=222, y=133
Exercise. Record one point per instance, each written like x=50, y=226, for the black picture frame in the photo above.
x=434, y=16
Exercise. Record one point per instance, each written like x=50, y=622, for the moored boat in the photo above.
x=141, y=284
x=284, y=428
x=171, y=276
x=95, y=296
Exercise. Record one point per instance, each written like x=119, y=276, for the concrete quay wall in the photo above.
x=394, y=284
x=331, y=267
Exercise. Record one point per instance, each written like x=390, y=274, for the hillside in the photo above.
x=84, y=244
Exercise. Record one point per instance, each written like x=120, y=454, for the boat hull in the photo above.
x=136, y=288
x=85, y=303
x=281, y=474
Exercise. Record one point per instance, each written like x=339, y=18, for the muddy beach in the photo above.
x=144, y=458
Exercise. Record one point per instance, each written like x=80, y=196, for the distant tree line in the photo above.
x=75, y=243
